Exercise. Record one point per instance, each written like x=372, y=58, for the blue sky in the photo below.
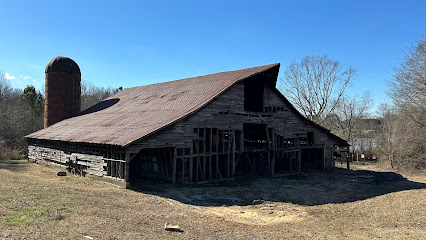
x=132, y=43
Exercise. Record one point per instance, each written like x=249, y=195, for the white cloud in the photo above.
x=8, y=76
x=25, y=77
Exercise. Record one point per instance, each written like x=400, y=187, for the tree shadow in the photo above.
x=14, y=165
x=309, y=189
x=100, y=106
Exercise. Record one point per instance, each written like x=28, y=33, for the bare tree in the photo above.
x=353, y=111
x=315, y=85
x=408, y=88
x=90, y=94
x=9, y=99
x=389, y=121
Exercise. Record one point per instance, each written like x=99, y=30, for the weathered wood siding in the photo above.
x=92, y=159
x=227, y=112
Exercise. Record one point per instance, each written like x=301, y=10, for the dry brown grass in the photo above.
x=36, y=204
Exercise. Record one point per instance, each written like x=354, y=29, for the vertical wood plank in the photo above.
x=228, y=160
x=233, y=153
x=241, y=141
x=217, y=154
x=174, y=167
x=203, y=174
x=273, y=140
x=211, y=141
x=299, y=157
x=324, y=152
x=191, y=162
x=127, y=170
x=197, y=166
x=210, y=153
x=183, y=169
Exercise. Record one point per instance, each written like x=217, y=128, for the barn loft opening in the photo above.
x=253, y=95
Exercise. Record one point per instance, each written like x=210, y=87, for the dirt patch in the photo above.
x=262, y=214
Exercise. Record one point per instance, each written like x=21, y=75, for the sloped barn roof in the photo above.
x=140, y=111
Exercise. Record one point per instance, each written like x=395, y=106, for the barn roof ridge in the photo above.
x=211, y=74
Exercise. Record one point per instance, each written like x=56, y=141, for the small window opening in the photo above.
x=253, y=95
x=310, y=138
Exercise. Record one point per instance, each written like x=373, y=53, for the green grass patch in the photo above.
x=24, y=217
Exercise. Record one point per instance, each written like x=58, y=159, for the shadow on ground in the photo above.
x=14, y=165
x=311, y=188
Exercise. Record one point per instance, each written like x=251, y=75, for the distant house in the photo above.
x=364, y=144
x=202, y=128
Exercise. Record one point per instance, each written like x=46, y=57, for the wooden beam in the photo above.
x=324, y=152
x=228, y=160
x=204, y=152
x=233, y=153
x=210, y=167
x=191, y=162
x=183, y=170
x=241, y=141
x=197, y=166
x=211, y=141
x=210, y=153
x=203, y=169
x=217, y=153
x=174, y=167
x=299, y=160
x=249, y=161
x=274, y=146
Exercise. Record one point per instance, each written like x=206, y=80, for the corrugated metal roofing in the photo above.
x=139, y=111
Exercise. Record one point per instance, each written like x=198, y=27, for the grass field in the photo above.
x=341, y=204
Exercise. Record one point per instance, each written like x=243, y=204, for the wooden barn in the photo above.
x=209, y=127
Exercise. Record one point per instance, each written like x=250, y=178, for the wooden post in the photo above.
x=273, y=152
x=233, y=153
x=217, y=153
x=223, y=142
x=347, y=159
x=324, y=152
x=191, y=163
x=197, y=166
x=203, y=169
x=174, y=167
x=210, y=153
x=204, y=153
x=183, y=168
x=268, y=149
x=127, y=170
x=211, y=141
x=241, y=142
x=228, y=161
x=299, y=156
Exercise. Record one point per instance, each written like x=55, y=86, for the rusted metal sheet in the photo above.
x=140, y=111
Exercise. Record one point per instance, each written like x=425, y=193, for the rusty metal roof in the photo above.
x=137, y=112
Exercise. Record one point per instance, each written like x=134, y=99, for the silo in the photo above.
x=62, y=90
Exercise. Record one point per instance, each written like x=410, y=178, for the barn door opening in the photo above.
x=152, y=163
x=312, y=158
